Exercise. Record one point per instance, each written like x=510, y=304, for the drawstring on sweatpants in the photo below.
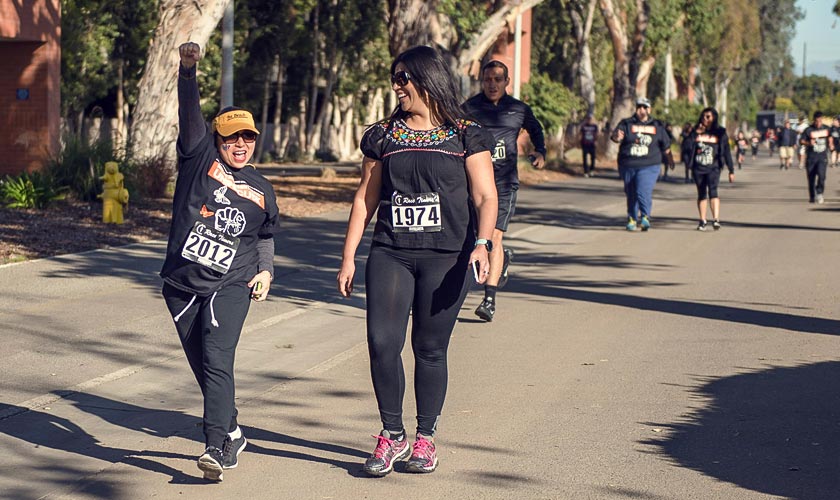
x=176, y=318
x=212, y=312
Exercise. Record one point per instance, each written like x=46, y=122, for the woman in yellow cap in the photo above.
x=219, y=256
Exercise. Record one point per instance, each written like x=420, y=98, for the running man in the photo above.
x=505, y=116
x=588, y=136
x=787, y=145
x=817, y=142
x=834, y=131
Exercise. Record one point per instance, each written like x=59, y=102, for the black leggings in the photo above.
x=707, y=183
x=432, y=287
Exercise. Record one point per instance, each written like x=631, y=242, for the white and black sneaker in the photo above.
x=210, y=462
x=508, y=257
x=232, y=448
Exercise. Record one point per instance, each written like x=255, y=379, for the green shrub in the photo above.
x=79, y=165
x=29, y=190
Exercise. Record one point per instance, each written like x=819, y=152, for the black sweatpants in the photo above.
x=588, y=154
x=209, y=328
x=816, y=169
x=432, y=287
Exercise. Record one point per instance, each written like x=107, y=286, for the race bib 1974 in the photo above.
x=415, y=213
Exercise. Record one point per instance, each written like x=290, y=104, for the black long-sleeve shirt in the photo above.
x=710, y=150
x=504, y=120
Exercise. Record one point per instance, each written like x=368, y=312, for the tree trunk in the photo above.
x=119, y=134
x=154, y=128
x=266, y=96
x=583, y=28
x=721, y=98
x=645, y=69
x=416, y=22
x=626, y=61
x=277, y=133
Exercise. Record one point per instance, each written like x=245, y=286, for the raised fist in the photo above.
x=190, y=53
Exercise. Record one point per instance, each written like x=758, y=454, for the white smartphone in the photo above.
x=475, y=270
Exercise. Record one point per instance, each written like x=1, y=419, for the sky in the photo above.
x=820, y=30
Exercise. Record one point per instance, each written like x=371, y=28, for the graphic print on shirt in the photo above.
x=220, y=196
x=219, y=173
x=230, y=221
x=705, y=153
x=819, y=140
x=643, y=141
x=499, y=152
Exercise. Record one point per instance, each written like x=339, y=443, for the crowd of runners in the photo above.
x=440, y=178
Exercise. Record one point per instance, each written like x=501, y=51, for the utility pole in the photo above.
x=227, y=57
x=804, y=57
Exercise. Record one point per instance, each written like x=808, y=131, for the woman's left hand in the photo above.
x=731, y=177
x=480, y=256
x=259, y=286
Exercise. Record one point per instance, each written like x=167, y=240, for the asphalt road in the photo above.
x=671, y=364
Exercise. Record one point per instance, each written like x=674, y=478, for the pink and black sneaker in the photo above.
x=424, y=457
x=386, y=453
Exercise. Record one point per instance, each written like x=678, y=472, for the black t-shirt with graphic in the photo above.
x=816, y=147
x=834, y=132
x=218, y=215
x=424, y=200
x=588, y=134
x=644, y=143
x=710, y=151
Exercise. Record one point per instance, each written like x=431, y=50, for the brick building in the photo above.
x=30, y=92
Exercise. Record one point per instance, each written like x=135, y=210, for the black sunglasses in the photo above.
x=401, y=78
x=248, y=136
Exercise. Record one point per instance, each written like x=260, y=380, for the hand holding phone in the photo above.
x=475, y=270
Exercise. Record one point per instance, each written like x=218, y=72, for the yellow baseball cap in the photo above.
x=234, y=120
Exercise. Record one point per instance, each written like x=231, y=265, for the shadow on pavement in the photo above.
x=45, y=430
x=774, y=431
x=570, y=290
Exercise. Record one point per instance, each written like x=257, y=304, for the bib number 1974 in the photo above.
x=415, y=213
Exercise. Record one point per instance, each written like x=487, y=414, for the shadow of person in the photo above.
x=167, y=423
x=45, y=430
x=774, y=431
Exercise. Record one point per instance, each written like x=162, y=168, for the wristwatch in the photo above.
x=485, y=242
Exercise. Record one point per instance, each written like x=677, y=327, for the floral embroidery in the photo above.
x=402, y=135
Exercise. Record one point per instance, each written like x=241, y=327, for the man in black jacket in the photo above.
x=505, y=117
x=786, y=139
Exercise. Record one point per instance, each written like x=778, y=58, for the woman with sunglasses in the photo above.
x=219, y=256
x=421, y=168
x=710, y=152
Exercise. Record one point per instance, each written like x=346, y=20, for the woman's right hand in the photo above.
x=344, y=280
x=190, y=54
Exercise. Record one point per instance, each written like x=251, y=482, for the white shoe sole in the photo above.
x=212, y=469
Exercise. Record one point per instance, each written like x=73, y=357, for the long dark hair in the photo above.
x=714, y=113
x=435, y=83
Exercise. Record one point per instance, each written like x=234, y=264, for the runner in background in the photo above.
x=741, y=146
x=835, y=138
x=588, y=140
x=505, y=117
x=755, y=142
x=787, y=139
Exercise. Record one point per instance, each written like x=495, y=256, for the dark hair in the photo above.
x=495, y=64
x=434, y=81
x=714, y=113
x=818, y=114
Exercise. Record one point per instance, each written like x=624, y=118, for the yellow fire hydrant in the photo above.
x=114, y=195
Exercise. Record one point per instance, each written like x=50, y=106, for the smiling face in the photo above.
x=237, y=149
x=493, y=83
x=408, y=95
x=642, y=113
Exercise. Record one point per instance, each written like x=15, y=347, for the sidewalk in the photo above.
x=672, y=364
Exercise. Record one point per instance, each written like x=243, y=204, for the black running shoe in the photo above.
x=503, y=279
x=486, y=309
x=232, y=449
x=210, y=462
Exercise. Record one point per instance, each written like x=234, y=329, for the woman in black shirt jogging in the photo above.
x=219, y=256
x=421, y=168
x=709, y=154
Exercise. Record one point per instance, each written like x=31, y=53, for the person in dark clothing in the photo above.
x=685, y=150
x=741, y=145
x=588, y=138
x=505, y=117
x=817, y=141
x=422, y=168
x=709, y=154
x=644, y=145
x=786, y=139
x=834, y=131
x=219, y=255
